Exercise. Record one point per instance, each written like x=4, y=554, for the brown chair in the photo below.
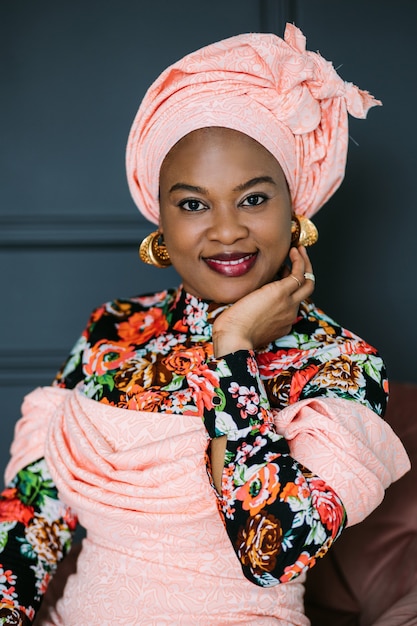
x=369, y=578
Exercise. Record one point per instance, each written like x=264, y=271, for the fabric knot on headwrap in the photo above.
x=290, y=100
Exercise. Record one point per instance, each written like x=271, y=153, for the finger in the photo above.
x=296, y=277
x=305, y=291
x=308, y=268
x=299, y=286
x=307, y=263
x=296, y=280
x=298, y=292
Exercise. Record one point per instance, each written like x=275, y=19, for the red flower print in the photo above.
x=43, y=585
x=272, y=363
x=70, y=519
x=7, y=576
x=178, y=400
x=12, y=509
x=203, y=382
x=252, y=365
x=151, y=300
x=181, y=360
x=303, y=562
x=105, y=356
x=357, y=347
x=147, y=401
x=267, y=419
x=180, y=327
x=299, y=381
x=96, y=314
x=262, y=488
x=328, y=505
x=290, y=491
x=143, y=325
x=298, y=489
x=191, y=363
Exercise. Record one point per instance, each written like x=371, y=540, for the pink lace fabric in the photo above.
x=156, y=550
x=348, y=446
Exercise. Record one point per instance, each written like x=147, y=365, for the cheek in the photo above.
x=277, y=234
x=181, y=230
x=173, y=243
x=276, y=249
x=179, y=240
x=167, y=226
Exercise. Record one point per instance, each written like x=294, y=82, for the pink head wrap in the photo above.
x=290, y=100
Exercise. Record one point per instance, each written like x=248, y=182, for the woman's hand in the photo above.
x=265, y=314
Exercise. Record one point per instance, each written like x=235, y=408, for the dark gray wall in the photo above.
x=72, y=75
x=366, y=260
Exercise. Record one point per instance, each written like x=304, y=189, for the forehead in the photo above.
x=216, y=149
x=219, y=135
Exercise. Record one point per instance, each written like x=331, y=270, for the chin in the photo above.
x=229, y=294
x=225, y=290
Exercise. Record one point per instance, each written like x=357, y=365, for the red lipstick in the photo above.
x=232, y=265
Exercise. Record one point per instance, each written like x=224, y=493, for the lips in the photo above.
x=232, y=265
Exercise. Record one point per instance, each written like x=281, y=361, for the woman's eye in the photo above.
x=192, y=205
x=254, y=200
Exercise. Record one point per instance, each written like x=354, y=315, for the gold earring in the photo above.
x=303, y=231
x=153, y=251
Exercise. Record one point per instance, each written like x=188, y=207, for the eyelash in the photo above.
x=185, y=202
x=260, y=196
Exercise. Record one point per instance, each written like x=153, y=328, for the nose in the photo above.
x=227, y=226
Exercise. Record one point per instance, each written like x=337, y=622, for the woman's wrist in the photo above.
x=226, y=343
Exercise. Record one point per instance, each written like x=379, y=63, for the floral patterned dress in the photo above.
x=154, y=353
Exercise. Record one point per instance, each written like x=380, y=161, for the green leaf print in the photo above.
x=176, y=383
x=4, y=533
x=222, y=397
x=106, y=379
x=373, y=369
x=33, y=488
x=222, y=369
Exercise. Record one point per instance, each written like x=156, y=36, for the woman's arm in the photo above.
x=337, y=434
x=35, y=534
x=279, y=516
x=36, y=527
x=261, y=487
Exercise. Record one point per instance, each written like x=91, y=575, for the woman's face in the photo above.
x=225, y=213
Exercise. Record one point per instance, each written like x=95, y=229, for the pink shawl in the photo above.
x=156, y=549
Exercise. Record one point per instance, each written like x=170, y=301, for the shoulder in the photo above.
x=321, y=357
x=112, y=329
x=121, y=309
x=315, y=330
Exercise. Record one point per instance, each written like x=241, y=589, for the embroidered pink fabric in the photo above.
x=156, y=550
x=290, y=100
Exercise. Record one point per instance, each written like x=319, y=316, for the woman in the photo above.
x=214, y=440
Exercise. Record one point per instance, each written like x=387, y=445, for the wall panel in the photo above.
x=72, y=76
x=366, y=258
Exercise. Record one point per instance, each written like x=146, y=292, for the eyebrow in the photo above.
x=255, y=181
x=185, y=187
x=249, y=183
